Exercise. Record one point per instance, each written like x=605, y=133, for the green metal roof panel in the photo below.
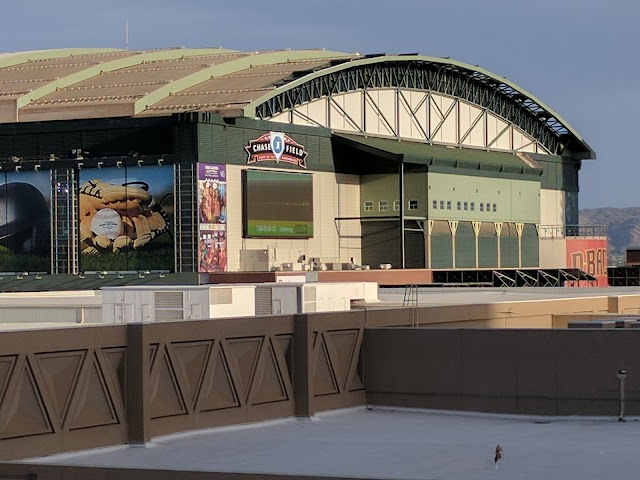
x=23, y=57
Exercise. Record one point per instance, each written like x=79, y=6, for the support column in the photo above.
x=138, y=384
x=303, y=372
x=402, y=240
x=476, y=231
x=430, y=224
x=453, y=226
x=519, y=230
x=498, y=227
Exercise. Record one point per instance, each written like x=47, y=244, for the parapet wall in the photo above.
x=77, y=388
x=546, y=372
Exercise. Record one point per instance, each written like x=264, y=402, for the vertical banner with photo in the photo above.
x=25, y=222
x=212, y=215
x=126, y=218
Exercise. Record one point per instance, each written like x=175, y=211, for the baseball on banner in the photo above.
x=107, y=222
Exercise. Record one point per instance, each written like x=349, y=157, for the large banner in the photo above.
x=590, y=256
x=212, y=215
x=126, y=219
x=25, y=222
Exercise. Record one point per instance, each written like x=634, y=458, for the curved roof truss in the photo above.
x=444, y=76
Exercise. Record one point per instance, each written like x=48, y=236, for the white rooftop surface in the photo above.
x=394, y=444
x=432, y=297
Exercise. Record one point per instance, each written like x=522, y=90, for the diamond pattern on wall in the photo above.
x=153, y=350
x=6, y=367
x=217, y=391
x=60, y=372
x=285, y=344
x=192, y=358
x=117, y=366
x=245, y=353
x=343, y=343
x=356, y=381
x=91, y=403
x=267, y=385
x=22, y=412
x=165, y=398
x=324, y=377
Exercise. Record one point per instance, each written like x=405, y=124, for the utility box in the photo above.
x=285, y=298
x=173, y=303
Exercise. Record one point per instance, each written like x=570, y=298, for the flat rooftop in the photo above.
x=385, y=443
x=435, y=296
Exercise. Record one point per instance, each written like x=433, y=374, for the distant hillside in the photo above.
x=622, y=225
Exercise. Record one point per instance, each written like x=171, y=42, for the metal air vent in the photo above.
x=221, y=296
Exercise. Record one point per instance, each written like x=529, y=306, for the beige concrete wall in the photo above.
x=552, y=203
x=553, y=252
x=334, y=196
x=523, y=314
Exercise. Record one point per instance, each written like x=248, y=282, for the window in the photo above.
x=473, y=206
x=435, y=205
x=383, y=205
x=494, y=207
x=441, y=204
x=368, y=206
x=448, y=204
x=466, y=205
x=396, y=205
x=481, y=207
x=413, y=204
x=458, y=205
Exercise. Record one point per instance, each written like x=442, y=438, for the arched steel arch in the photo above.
x=444, y=76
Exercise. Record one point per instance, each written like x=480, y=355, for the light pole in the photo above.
x=622, y=375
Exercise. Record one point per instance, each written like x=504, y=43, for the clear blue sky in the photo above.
x=580, y=57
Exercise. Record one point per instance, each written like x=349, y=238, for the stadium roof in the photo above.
x=97, y=83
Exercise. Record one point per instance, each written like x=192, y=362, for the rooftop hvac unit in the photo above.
x=165, y=303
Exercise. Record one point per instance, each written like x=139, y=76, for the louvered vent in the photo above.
x=264, y=301
x=221, y=296
x=309, y=299
x=309, y=294
x=169, y=306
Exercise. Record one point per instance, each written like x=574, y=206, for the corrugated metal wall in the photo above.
x=508, y=246
x=441, y=245
x=530, y=246
x=465, y=246
x=487, y=246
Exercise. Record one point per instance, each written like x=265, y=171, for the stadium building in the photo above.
x=213, y=160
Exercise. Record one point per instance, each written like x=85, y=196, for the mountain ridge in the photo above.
x=622, y=226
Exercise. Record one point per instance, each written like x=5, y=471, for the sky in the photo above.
x=579, y=57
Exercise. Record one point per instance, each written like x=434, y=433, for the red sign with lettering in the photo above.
x=590, y=256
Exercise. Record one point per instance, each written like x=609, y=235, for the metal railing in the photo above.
x=562, y=231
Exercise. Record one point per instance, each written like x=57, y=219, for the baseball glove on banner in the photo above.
x=118, y=217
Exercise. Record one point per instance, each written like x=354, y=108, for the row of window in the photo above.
x=383, y=205
x=484, y=207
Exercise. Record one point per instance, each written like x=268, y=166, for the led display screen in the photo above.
x=277, y=204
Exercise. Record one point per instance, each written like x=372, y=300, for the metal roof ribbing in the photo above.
x=255, y=81
x=134, y=58
x=501, y=85
x=23, y=57
x=241, y=64
x=144, y=78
